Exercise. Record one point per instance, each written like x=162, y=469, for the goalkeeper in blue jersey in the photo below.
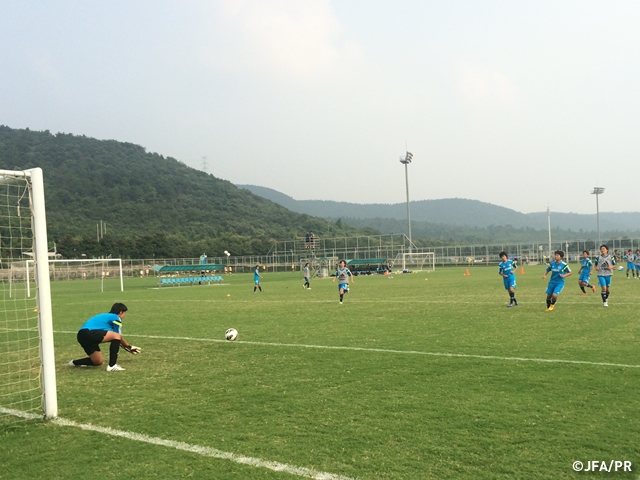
x=506, y=269
x=104, y=328
x=343, y=274
x=559, y=271
x=584, y=274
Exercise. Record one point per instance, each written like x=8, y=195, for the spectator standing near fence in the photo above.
x=307, y=240
x=312, y=240
x=256, y=279
x=605, y=264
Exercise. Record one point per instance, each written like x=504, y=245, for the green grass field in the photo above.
x=409, y=379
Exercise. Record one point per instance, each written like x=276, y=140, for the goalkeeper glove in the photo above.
x=132, y=349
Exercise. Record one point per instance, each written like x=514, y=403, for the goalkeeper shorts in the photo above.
x=90, y=339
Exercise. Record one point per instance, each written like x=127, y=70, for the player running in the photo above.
x=605, y=264
x=343, y=274
x=559, y=271
x=506, y=269
x=637, y=263
x=630, y=258
x=585, y=273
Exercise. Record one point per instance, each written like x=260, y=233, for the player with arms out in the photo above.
x=506, y=269
x=584, y=274
x=104, y=328
x=343, y=274
x=256, y=279
x=605, y=265
x=559, y=271
x=307, y=277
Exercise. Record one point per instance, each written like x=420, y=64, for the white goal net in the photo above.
x=27, y=370
x=108, y=271
x=419, y=261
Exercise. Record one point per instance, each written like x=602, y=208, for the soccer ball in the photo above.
x=620, y=268
x=231, y=334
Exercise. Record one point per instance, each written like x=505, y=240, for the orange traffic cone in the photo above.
x=466, y=274
x=522, y=271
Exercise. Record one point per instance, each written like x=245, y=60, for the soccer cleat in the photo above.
x=308, y=288
x=510, y=305
x=71, y=364
x=605, y=304
x=515, y=304
x=593, y=288
x=340, y=303
x=584, y=293
x=551, y=307
x=115, y=368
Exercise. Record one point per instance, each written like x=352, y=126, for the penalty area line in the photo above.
x=186, y=447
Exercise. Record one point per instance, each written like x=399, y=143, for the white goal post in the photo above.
x=83, y=269
x=419, y=261
x=27, y=361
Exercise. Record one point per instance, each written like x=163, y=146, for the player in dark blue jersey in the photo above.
x=559, y=271
x=104, y=328
x=506, y=269
x=585, y=273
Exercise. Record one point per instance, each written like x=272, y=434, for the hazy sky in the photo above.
x=521, y=104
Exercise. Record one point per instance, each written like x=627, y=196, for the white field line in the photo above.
x=187, y=447
x=382, y=350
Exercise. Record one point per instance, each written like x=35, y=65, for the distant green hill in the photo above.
x=152, y=205
x=460, y=219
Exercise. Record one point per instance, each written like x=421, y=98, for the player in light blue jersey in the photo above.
x=585, y=273
x=307, y=277
x=256, y=279
x=104, y=328
x=506, y=269
x=636, y=260
x=343, y=274
x=631, y=266
x=559, y=271
x=605, y=264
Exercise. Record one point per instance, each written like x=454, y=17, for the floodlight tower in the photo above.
x=406, y=160
x=598, y=191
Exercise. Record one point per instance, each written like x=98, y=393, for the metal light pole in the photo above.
x=406, y=160
x=598, y=191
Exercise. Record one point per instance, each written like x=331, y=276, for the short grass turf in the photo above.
x=425, y=375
